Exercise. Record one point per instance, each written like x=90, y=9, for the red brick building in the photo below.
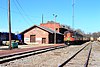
x=44, y=33
x=55, y=26
x=52, y=25
x=41, y=34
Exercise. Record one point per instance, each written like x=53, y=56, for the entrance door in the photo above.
x=43, y=40
x=32, y=38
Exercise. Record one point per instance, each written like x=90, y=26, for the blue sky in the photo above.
x=29, y=13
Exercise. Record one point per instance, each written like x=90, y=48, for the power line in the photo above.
x=7, y=10
x=20, y=12
x=23, y=10
x=13, y=11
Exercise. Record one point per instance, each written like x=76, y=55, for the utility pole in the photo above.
x=73, y=15
x=55, y=28
x=42, y=18
x=9, y=22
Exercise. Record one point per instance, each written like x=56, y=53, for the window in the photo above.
x=32, y=38
x=43, y=40
x=56, y=29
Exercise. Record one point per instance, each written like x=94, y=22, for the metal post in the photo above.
x=42, y=18
x=73, y=15
x=9, y=21
x=55, y=28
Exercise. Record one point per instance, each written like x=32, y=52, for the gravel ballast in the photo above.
x=48, y=59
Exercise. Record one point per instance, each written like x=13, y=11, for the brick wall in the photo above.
x=39, y=33
x=52, y=26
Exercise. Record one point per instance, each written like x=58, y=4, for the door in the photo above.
x=32, y=38
x=43, y=40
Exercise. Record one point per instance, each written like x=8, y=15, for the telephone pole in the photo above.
x=9, y=22
x=55, y=28
x=42, y=18
x=73, y=15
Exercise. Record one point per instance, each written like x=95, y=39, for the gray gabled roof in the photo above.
x=41, y=27
x=49, y=30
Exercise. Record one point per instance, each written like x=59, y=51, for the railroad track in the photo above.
x=19, y=55
x=98, y=42
x=85, y=64
x=95, y=55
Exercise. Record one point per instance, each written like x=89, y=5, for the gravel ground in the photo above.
x=95, y=55
x=49, y=59
x=80, y=59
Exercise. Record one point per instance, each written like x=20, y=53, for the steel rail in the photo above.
x=25, y=54
x=87, y=61
x=64, y=63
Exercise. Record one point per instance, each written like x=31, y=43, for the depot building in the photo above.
x=44, y=33
x=41, y=35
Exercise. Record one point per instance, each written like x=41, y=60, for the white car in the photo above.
x=91, y=38
x=98, y=38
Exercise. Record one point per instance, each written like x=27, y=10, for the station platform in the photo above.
x=4, y=50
